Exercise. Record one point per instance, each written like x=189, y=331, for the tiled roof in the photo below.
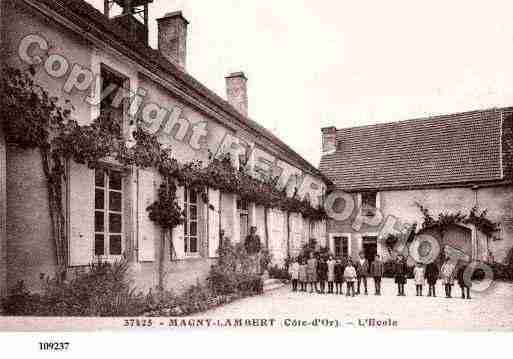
x=456, y=149
x=94, y=22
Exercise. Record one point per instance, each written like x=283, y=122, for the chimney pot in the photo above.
x=237, y=91
x=172, y=37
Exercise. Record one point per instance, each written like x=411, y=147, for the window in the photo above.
x=369, y=203
x=191, y=222
x=341, y=246
x=242, y=208
x=113, y=105
x=108, y=213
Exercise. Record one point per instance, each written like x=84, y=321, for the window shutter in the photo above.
x=178, y=232
x=148, y=231
x=213, y=222
x=277, y=241
x=297, y=233
x=81, y=214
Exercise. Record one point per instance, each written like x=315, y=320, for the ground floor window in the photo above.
x=191, y=225
x=108, y=213
x=341, y=246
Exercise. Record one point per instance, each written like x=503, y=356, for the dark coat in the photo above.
x=377, y=269
x=253, y=244
x=401, y=271
x=339, y=272
x=432, y=273
x=322, y=271
x=362, y=270
x=460, y=276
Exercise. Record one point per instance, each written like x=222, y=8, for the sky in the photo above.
x=318, y=63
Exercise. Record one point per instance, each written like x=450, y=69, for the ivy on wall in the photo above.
x=476, y=217
x=32, y=119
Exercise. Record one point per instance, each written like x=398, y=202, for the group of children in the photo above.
x=317, y=271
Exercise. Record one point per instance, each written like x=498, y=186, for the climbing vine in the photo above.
x=32, y=119
x=444, y=220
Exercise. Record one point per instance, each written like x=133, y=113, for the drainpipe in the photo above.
x=3, y=193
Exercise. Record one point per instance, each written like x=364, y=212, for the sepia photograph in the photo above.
x=265, y=165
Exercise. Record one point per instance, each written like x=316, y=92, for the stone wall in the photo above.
x=401, y=205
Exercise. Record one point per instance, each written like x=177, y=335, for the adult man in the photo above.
x=362, y=272
x=253, y=245
x=376, y=271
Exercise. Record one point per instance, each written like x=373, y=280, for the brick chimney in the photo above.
x=237, y=91
x=329, y=140
x=172, y=33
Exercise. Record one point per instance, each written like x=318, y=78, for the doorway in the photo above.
x=370, y=247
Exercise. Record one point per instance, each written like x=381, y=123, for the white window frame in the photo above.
x=360, y=203
x=106, y=220
x=186, y=226
x=349, y=242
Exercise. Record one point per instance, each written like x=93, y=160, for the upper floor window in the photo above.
x=369, y=203
x=108, y=213
x=113, y=103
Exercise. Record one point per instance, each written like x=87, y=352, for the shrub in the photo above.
x=101, y=291
x=231, y=274
x=279, y=273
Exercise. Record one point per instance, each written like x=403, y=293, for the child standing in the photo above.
x=339, y=276
x=465, y=286
x=377, y=269
x=447, y=274
x=350, y=277
x=419, y=277
x=302, y=275
x=294, y=273
x=322, y=274
x=311, y=272
x=432, y=274
x=331, y=274
x=401, y=271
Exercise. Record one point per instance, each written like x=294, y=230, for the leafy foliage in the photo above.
x=101, y=291
x=232, y=272
x=166, y=211
x=445, y=220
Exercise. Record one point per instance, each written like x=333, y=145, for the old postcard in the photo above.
x=264, y=165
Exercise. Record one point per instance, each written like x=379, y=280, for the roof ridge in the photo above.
x=184, y=77
x=445, y=116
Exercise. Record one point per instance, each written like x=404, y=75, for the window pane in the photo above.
x=115, y=245
x=115, y=201
x=193, y=212
x=369, y=199
x=185, y=245
x=114, y=223
x=99, y=178
x=194, y=245
x=99, y=199
x=98, y=245
x=194, y=197
x=186, y=228
x=194, y=228
x=185, y=195
x=115, y=180
x=99, y=225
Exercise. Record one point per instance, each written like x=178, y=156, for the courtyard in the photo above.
x=485, y=312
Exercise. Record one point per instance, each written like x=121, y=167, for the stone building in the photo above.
x=80, y=52
x=446, y=163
